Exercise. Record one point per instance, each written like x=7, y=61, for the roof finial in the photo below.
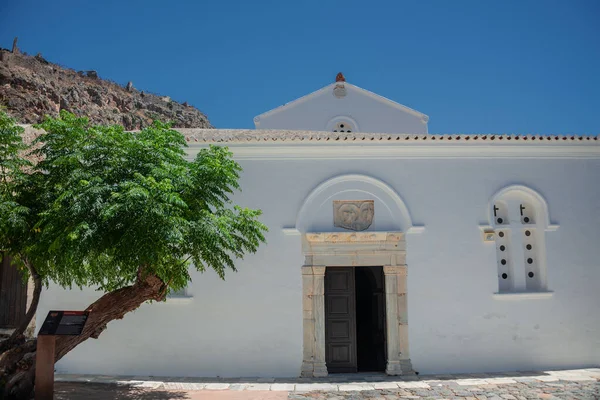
x=340, y=77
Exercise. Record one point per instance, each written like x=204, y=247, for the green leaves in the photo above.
x=12, y=173
x=103, y=202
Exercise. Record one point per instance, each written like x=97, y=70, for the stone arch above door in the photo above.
x=391, y=213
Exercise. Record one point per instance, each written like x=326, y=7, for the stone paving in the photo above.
x=519, y=390
x=564, y=384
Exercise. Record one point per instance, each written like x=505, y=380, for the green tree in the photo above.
x=13, y=216
x=12, y=173
x=125, y=212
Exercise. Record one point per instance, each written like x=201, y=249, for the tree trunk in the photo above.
x=16, y=337
x=18, y=372
x=111, y=306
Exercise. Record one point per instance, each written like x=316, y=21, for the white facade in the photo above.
x=437, y=195
x=343, y=107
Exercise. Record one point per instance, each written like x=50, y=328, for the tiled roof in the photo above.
x=196, y=135
x=271, y=136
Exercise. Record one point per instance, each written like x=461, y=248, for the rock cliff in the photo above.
x=31, y=87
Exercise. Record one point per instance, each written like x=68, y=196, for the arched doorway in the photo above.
x=328, y=246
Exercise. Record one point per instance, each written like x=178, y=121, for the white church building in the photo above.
x=389, y=249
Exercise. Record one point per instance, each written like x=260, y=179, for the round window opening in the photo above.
x=343, y=126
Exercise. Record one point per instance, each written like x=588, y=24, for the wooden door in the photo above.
x=13, y=294
x=340, y=320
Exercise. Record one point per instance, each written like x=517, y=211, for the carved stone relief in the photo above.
x=354, y=215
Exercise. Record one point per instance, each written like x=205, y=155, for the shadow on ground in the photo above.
x=103, y=391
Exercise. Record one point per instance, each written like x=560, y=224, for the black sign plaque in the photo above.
x=64, y=323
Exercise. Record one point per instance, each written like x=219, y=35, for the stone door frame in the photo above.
x=354, y=249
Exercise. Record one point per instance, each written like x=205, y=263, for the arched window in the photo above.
x=519, y=217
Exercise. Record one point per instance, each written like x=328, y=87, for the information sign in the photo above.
x=64, y=323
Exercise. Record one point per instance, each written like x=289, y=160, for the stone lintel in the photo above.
x=394, y=270
x=354, y=237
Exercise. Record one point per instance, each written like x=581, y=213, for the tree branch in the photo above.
x=111, y=306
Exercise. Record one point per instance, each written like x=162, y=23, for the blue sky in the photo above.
x=474, y=66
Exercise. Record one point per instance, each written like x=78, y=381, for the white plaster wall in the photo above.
x=251, y=325
x=371, y=115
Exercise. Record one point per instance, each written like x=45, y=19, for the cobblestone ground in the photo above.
x=515, y=391
x=581, y=384
x=568, y=390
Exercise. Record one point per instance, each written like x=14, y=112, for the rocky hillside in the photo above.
x=31, y=87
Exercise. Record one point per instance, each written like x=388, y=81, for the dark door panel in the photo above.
x=13, y=294
x=340, y=320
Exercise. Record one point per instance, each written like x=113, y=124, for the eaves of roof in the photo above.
x=272, y=136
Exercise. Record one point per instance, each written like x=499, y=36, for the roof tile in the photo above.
x=241, y=135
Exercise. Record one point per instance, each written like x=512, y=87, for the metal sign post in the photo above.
x=57, y=323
